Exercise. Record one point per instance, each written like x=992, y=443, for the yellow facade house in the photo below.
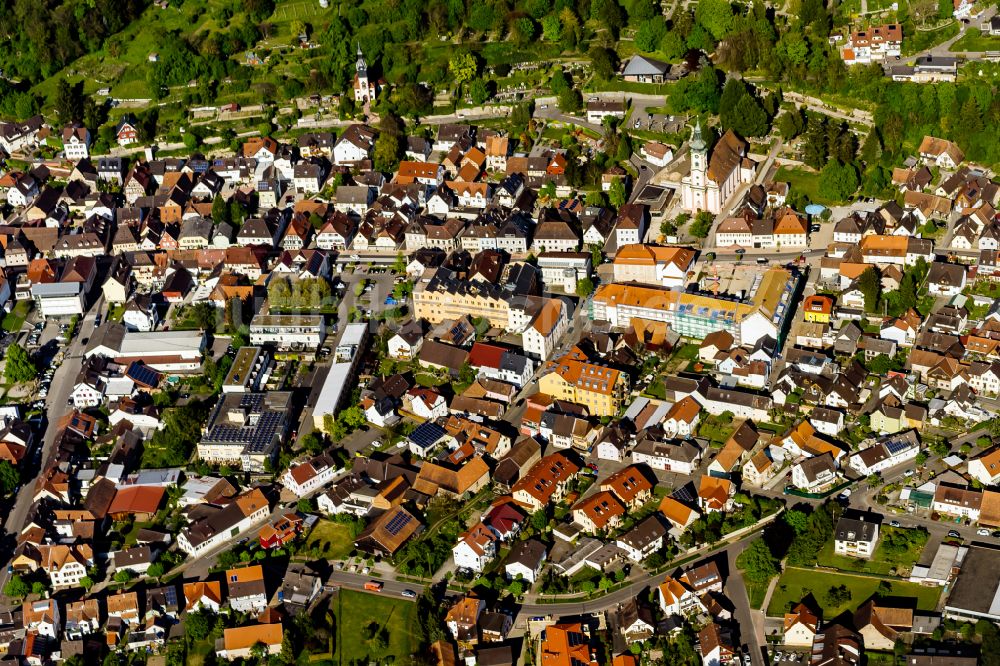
x=573, y=377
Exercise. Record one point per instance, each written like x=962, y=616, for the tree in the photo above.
x=604, y=62
x=716, y=16
x=124, y=575
x=204, y=316
x=880, y=365
x=198, y=625
x=584, y=287
x=155, y=570
x=19, y=367
x=921, y=458
x=790, y=124
x=220, y=210
x=39, y=588
x=523, y=30
x=552, y=28
x=751, y=118
x=86, y=583
x=797, y=520
x=9, y=478
x=702, y=224
x=479, y=91
x=870, y=285
x=570, y=100
x=616, y=193
x=838, y=180
x=650, y=33
x=16, y=588
x=516, y=588
x=69, y=100
x=387, y=150
x=757, y=562
x=463, y=67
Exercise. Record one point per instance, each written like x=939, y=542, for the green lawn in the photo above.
x=973, y=40
x=333, y=539
x=356, y=611
x=805, y=181
x=197, y=653
x=428, y=380
x=15, y=318
x=795, y=584
x=756, y=594
x=716, y=428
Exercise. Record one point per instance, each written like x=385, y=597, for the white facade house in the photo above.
x=855, y=537
x=815, y=473
x=681, y=458
x=310, y=476
x=889, y=452
x=986, y=467
x=525, y=561
x=475, y=549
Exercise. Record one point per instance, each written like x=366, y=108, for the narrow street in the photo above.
x=56, y=409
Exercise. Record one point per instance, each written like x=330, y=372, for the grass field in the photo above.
x=15, y=318
x=356, y=611
x=333, y=539
x=795, y=584
x=805, y=181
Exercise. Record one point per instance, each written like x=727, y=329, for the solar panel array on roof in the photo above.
x=263, y=434
x=143, y=374
x=427, y=434
x=171, y=596
x=398, y=522
x=896, y=445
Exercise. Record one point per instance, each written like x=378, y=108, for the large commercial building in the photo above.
x=748, y=303
x=246, y=429
x=164, y=351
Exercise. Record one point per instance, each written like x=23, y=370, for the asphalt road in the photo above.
x=56, y=409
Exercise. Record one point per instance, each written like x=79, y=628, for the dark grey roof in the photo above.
x=855, y=529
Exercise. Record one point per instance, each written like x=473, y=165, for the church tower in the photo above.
x=699, y=157
x=363, y=90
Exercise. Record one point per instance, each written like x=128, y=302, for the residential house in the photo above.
x=855, y=537
x=247, y=589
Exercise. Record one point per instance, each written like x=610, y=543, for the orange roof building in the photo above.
x=545, y=482
x=567, y=645
x=653, y=264
x=599, y=512
x=141, y=502
x=679, y=514
x=803, y=441
x=238, y=642
x=202, y=594
x=630, y=486
x=817, y=308
x=715, y=494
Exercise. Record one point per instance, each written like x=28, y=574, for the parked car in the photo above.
x=409, y=594
x=954, y=534
x=982, y=531
x=893, y=523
